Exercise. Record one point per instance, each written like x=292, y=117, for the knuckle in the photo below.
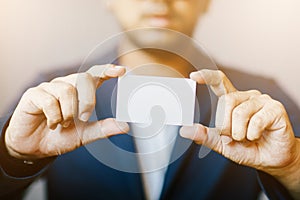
x=83, y=80
x=30, y=92
x=29, y=100
x=257, y=123
x=62, y=78
x=277, y=104
x=221, y=74
x=274, y=106
x=68, y=89
x=265, y=96
x=43, y=85
x=238, y=113
x=84, y=76
x=278, y=107
x=245, y=107
x=50, y=102
x=255, y=92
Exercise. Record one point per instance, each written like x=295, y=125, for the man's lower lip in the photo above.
x=158, y=22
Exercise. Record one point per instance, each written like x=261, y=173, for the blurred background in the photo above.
x=258, y=36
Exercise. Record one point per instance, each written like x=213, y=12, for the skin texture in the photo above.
x=53, y=116
x=251, y=128
x=178, y=15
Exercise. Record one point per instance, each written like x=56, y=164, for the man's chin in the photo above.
x=154, y=38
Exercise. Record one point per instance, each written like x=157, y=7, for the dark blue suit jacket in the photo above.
x=78, y=175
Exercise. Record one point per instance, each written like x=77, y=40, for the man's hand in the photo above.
x=251, y=129
x=52, y=118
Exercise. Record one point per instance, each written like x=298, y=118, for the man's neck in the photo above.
x=155, y=62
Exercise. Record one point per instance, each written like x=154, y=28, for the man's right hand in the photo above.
x=52, y=118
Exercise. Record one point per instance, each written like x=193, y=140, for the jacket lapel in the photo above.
x=208, y=168
x=184, y=155
x=121, y=147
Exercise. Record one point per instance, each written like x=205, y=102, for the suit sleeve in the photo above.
x=15, y=174
x=272, y=188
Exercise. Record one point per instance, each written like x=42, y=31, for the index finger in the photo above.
x=99, y=73
x=87, y=83
x=216, y=79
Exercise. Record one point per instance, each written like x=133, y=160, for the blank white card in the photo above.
x=144, y=99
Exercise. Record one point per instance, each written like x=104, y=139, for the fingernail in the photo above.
x=123, y=126
x=52, y=126
x=115, y=71
x=66, y=124
x=119, y=67
x=116, y=68
x=84, y=116
x=226, y=139
x=188, y=131
x=193, y=75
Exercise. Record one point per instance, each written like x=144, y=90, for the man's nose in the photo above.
x=165, y=1
x=156, y=6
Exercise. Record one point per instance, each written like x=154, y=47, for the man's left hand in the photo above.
x=251, y=129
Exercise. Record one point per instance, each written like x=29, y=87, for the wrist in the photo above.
x=15, y=154
x=16, y=167
x=289, y=175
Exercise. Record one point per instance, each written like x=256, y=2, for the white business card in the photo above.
x=145, y=99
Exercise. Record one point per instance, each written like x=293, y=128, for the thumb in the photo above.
x=93, y=131
x=209, y=137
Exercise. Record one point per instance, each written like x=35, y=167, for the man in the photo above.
x=251, y=128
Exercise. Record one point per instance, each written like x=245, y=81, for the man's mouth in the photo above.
x=158, y=21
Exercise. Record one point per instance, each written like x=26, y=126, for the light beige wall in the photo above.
x=39, y=35
x=260, y=36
